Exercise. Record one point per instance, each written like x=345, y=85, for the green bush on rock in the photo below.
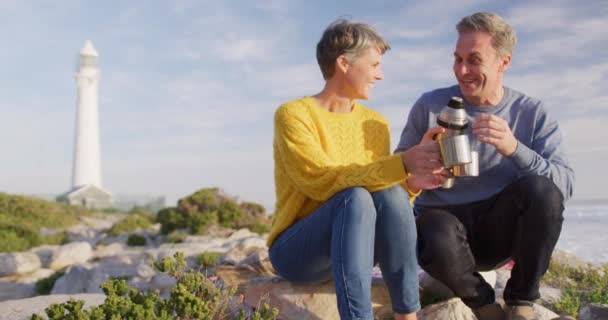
x=22, y=217
x=193, y=297
x=206, y=207
x=581, y=285
x=133, y=222
x=135, y=240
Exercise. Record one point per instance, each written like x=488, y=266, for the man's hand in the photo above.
x=424, y=158
x=495, y=131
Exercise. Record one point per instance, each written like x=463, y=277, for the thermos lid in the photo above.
x=456, y=103
x=453, y=116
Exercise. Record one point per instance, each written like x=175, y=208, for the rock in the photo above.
x=82, y=233
x=102, y=251
x=306, y=301
x=45, y=253
x=502, y=276
x=35, y=276
x=593, y=311
x=549, y=296
x=18, y=263
x=12, y=290
x=234, y=256
x=241, y=233
x=258, y=261
x=71, y=253
x=75, y=280
x=24, y=308
x=452, y=309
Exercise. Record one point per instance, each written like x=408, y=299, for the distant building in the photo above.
x=86, y=175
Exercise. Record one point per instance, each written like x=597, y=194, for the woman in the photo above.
x=340, y=207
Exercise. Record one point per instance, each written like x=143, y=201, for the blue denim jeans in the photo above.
x=344, y=238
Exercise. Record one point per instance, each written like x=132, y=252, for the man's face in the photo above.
x=362, y=72
x=478, y=68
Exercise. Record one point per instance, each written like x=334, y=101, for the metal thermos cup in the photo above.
x=454, y=143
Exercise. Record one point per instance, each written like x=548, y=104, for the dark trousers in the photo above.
x=523, y=223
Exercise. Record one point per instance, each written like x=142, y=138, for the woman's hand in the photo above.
x=435, y=178
x=424, y=158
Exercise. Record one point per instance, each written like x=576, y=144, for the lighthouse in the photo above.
x=86, y=189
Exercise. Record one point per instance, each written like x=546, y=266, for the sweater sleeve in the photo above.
x=546, y=155
x=317, y=176
x=415, y=127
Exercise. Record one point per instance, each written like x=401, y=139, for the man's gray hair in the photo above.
x=503, y=36
x=344, y=37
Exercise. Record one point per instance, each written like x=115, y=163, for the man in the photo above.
x=513, y=209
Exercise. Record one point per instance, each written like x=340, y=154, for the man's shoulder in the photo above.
x=523, y=101
x=438, y=97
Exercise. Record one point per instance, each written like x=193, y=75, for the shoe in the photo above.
x=491, y=311
x=522, y=313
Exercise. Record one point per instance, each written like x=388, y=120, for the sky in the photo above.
x=188, y=88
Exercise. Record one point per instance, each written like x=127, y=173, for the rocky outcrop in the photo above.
x=18, y=263
x=71, y=253
x=594, y=311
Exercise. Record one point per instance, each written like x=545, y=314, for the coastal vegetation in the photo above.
x=193, y=297
x=21, y=219
x=581, y=285
x=208, y=207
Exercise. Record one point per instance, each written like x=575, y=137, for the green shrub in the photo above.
x=228, y=214
x=170, y=219
x=208, y=207
x=580, y=285
x=45, y=286
x=136, y=240
x=193, y=297
x=208, y=259
x=176, y=236
x=58, y=238
x=22, y=217
x=260, y=228
x=131, y=223
x=17, y=235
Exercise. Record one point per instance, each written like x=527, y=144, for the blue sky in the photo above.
x=188, y=88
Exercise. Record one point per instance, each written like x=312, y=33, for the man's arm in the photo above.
x=545, y=157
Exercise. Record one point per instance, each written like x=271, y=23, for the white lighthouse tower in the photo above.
x=86, y=171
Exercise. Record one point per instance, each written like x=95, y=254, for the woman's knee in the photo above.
x=358, y=202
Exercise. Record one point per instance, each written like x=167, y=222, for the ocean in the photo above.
x=585, y=232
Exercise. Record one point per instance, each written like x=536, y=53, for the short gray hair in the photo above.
x=344, y=37
x=503, y=36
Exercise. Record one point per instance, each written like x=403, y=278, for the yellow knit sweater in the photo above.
x=318, y=153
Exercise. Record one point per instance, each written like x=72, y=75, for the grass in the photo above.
x=580, y=285
x=22, y=217
x=208, y=259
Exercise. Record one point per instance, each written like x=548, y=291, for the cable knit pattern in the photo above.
x=318, y=153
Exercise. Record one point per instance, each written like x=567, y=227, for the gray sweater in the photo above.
x=539, y=150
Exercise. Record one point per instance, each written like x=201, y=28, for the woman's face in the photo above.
x=362, y=72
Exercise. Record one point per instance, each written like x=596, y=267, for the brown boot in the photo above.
x=491, y=311
x=522, y=313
